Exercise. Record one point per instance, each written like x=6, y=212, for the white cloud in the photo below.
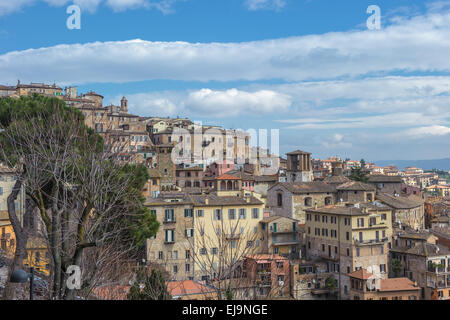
x=254, y=5
x=207, y=102
x=421, y=132
x=418, y=44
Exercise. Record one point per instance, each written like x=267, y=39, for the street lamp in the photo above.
x=21, y=276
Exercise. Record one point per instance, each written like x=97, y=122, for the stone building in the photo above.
x=280, y=235
x=172, y=245
x=299, y=167
x=407, y=211
x=355, y=191
x=366, y=286
x=292, y=199
x=349, y=237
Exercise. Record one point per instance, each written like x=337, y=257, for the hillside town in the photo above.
x=237, y=221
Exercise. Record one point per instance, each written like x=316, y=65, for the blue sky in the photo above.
x=307, y=67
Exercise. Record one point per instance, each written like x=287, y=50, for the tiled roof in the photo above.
x=336, y=180
x=425, y=249
x=227, y=176
x=397, y=284
x=361, y=274
x=266, y=178
x=187, y=287
x=298, y=152
x=338, y=210
x=215, y=200
x=273, y=218
x=399, y=202
x=265, y=256
x=355, y=186
x=384, y=178
x=306, y=187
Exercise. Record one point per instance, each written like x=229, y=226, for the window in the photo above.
x=323, y=247
x=383, y=268
x=199, y=213
x=1, y=191
x=347, y=221
x=188, y=254
x=188, y=213
x=317, y=218
x=308, y=217
x=188, y=267
x=333, y=220
x=242, y=213
x=360, y=222
x=203, y=251
x=357, y=252
x=214, y=250
x=175, y=269
x=383, y=216
x=347, y=236
x=324, y=219
x=308, y=202
x=217, y=214
x=189, y=233
x=279, y=199
x=231, y=214
x=169, y=235
x=255, y=213
x=169, y=215
x=160, y=255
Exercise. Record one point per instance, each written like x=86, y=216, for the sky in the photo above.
x=310, y=68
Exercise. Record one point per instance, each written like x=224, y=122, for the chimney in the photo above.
x=315, y=205
x=206, y=200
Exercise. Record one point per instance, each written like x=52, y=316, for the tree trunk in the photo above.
x=21, y=240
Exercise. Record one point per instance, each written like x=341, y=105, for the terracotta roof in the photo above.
x=361, y=274
x=227, y=176
x=265, y=256
x=425, y=249
x=215, y=200
x=187, y=287
x=397, y=284
x=355, y=186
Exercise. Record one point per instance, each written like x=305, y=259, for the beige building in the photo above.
x=280, y=235
x=172, y=245
x=349, y=237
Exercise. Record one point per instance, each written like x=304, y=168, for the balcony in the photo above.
x=369, y=242
x=169, y=221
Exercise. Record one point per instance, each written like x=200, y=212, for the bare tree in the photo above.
x=85, y=197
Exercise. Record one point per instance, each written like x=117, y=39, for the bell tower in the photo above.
x=124, y=105
x=299, y=167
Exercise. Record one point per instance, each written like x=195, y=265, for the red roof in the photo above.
x=227, y=177
x=397, y=284
x=361, y=274
x=266, y=257
x=187, y=287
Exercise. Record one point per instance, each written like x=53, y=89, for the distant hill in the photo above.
x=442, y=164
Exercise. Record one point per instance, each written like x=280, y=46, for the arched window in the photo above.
x=229, y=185
x=308, y=202
x=223, y=185
x=280, y=199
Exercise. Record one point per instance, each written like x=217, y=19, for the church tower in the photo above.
x=299, y=167
x=124, y=105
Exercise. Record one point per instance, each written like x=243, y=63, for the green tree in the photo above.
x=331, y=283
x=396, y=266
x=229, y=293
x=359, y=174
x=85, y=197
